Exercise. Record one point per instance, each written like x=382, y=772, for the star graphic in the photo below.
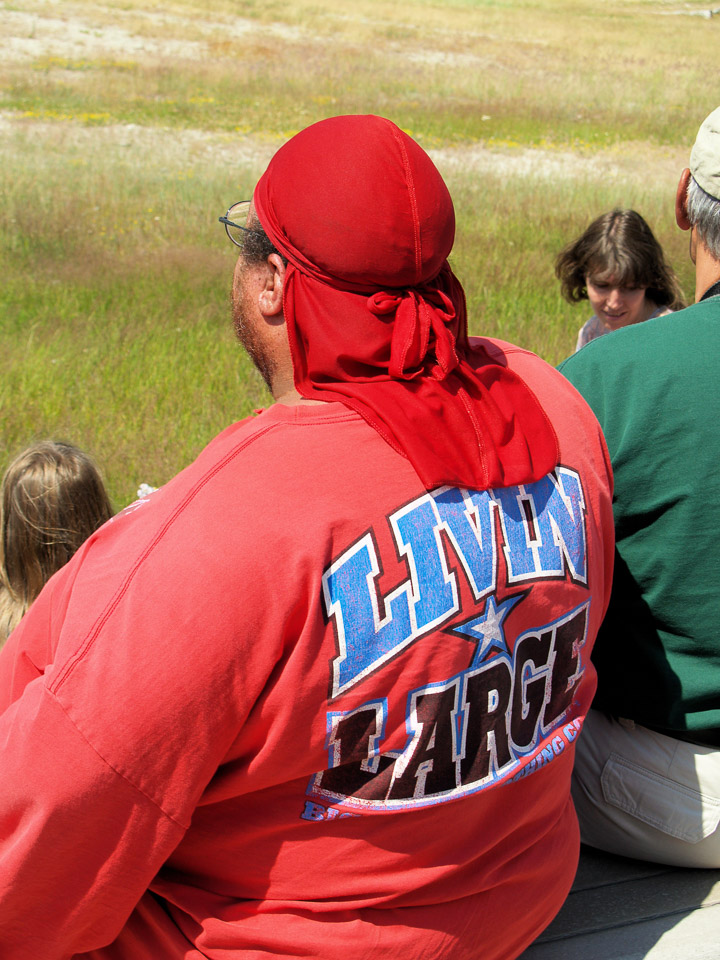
x=487, y=629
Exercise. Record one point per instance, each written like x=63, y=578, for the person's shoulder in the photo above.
x=591, y=330
x=642, y=344
x=588, y=354
x=500, y=350
x=623, y=363
x=282, y=447
x=524, y=361
x=612, y=347
x=266, y=427
x=602, y=367
x=527, y=364
x=553, y=390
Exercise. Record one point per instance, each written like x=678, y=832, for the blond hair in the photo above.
x=53, y=498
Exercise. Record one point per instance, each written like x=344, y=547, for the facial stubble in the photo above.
x=246, y=329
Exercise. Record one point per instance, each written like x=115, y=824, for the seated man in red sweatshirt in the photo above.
x=318, y=696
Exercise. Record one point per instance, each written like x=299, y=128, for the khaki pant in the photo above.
x=641, y=794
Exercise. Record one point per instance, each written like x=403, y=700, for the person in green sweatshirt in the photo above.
x=647, y=775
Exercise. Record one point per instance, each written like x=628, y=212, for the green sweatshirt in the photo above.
x=655, y=388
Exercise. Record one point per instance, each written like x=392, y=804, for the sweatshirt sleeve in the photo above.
x=122, y=692
x=70, y=874
x=105, y=751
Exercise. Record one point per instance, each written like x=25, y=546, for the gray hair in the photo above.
x=703, y=212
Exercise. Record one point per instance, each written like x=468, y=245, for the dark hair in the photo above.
x=257, y=245
x=53, y=498
x=621, y=245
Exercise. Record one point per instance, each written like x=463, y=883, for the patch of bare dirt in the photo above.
x=56, y=28
x=635, y=163
x=154, y=145
x=630, y=162
x=63, y=32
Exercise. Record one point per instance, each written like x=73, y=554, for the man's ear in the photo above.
x=270, y=300
x=681, y=216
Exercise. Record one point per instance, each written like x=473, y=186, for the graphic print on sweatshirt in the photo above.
x=506, y=710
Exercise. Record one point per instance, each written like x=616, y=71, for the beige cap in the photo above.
x=705, y=156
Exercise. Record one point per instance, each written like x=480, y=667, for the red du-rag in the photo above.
x=376, y=318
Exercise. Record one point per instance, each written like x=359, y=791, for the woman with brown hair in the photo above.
x=619, y=266
x=53, y=498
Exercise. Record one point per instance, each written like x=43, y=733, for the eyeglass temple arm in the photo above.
x=231, y=223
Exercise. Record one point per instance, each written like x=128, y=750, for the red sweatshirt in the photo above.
x=294, y=705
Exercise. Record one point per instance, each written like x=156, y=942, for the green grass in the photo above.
x=142, y=370
x=116, y=162
x=115, y=315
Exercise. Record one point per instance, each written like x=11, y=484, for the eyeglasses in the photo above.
x=234, y=229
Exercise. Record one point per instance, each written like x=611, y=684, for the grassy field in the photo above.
x=127, y=128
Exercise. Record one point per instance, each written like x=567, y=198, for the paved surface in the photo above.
x=621, y=909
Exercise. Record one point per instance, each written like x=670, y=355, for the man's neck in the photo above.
x=284, y=391
x=293, y=399
x=282, y=384
x=707, y=271
x=712, y=291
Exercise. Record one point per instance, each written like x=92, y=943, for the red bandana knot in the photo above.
x=421, y=321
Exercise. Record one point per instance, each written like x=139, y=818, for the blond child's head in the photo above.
x=53, y=498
